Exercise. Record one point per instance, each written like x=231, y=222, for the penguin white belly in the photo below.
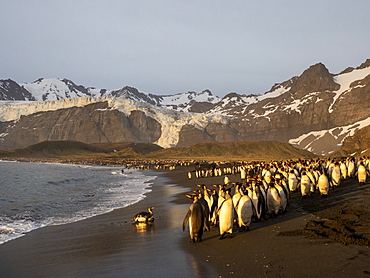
x=335, y=176
x=351, y=169
x=343, y=170
x=283, y=197
x=226, y=217
x=305, y=186
x=361, y=174
x=257, y=209
x=245, y=211
x=268, y=177
x=323, y=185
x=191, y=227
x=293, y=183
x=236, y=199
x=273, y=201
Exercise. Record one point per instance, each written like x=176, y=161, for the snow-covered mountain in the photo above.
x=55, y=89
x=316, y=111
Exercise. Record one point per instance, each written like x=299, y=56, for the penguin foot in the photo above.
x=223, y=236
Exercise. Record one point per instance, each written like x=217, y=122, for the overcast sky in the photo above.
x=168, y=47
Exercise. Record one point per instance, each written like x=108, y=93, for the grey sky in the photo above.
x=167, y=47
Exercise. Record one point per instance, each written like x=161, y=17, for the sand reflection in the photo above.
x=142, y=228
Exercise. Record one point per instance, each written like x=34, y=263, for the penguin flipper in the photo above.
x=186, y=219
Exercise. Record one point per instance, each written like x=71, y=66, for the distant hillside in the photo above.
x=128, y=149
x=356, y=145
x=249, y=150
x=256, y=150
x=51, y=149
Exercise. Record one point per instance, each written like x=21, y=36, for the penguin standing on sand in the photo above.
x=259, y=202
x=323, y=185
x=244, y=209
x=189, y=175
x=144, y=216
x=195, y=217
x=350, y=168
x=343, y=170
x=335, y=175
x=292, y=181
x=226, y=180
x=226, y=216
x=206, y=210
x=305, y=185
x=283, y=195
x=273, y=200
x=361, y=173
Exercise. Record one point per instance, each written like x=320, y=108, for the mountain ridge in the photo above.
x=316, y=111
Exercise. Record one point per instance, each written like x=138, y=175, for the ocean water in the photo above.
x=34, y=195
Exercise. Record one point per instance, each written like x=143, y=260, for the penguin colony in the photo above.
x=263, y=192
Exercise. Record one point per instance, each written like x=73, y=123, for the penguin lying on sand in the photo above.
x=144, y=216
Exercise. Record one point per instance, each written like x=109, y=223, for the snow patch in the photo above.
x=275, y=93
x=336, y=133
x=345, y=80
x=296, y=103
x=51, y=88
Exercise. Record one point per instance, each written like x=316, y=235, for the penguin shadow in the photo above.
x=214, y=234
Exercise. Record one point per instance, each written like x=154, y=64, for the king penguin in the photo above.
x=244, y=209
x=273, y=200
x=144, y=216
x=195, y=217
x=323, y=185
x=305, y=185
x=292, y=181
x=226, y=216
x=361, y=173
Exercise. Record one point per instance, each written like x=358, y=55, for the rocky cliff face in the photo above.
x=10, y=90
x=357, y=144
x=92, y=123
x=316, y=111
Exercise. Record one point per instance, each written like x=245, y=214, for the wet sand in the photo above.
x=110, y=246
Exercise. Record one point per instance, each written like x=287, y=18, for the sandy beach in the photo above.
x=110, y=246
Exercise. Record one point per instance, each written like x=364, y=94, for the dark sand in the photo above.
x=284, y=247
x=110, y=246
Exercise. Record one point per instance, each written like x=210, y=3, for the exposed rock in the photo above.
x=89, y=124
x=358, y=144
x=189, y=135
x=10, y=90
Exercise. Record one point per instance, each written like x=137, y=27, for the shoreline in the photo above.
x=108, y=245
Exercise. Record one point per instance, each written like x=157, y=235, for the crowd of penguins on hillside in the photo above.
x=263, y=192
